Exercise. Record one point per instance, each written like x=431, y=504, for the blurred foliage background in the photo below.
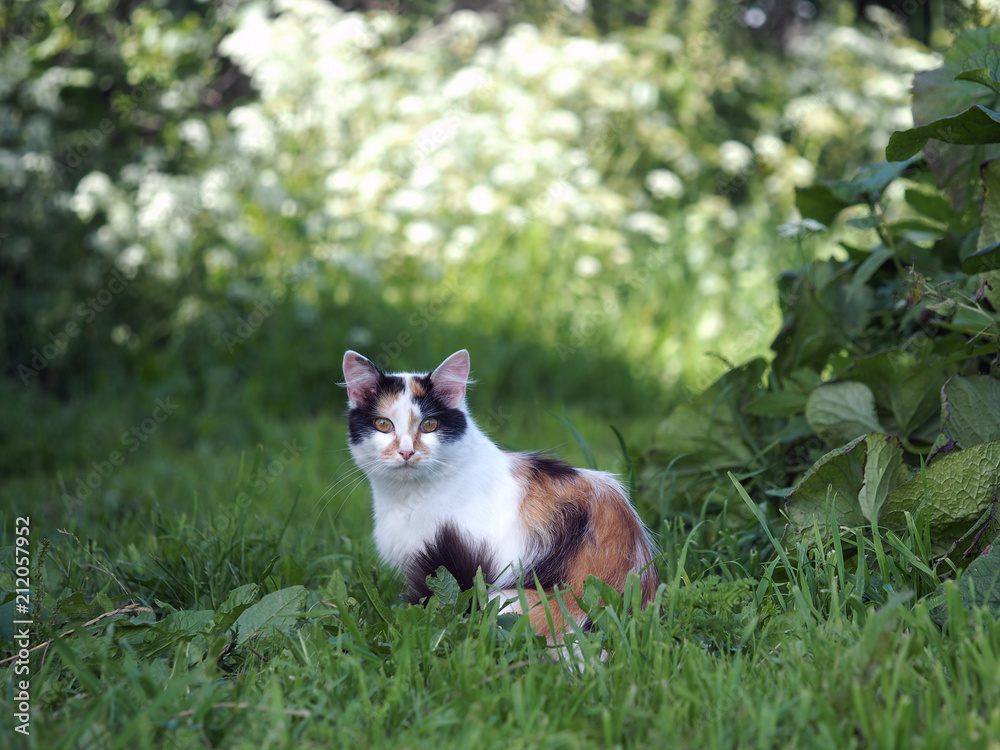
x=210, y=201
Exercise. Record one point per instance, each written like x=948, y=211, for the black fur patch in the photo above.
x=543, y=466
x=572, y=527
x=361, y=419
x=451, y=422
x=459, y=557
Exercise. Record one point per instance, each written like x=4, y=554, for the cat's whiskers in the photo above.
x=354, y=478
x=350, y=475
x=357, y=482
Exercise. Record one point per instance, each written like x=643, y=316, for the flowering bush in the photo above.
x=612, y=194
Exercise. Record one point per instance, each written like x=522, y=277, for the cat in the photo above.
x=445, y=495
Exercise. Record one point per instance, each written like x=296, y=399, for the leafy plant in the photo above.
x=880, y=410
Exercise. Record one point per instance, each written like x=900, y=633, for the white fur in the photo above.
x=467, y=483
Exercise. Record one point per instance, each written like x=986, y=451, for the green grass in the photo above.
x=276, y=627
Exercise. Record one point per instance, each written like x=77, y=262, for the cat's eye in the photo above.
x=383, y=425
x=429, y=425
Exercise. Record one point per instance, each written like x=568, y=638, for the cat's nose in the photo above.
x=405, y=454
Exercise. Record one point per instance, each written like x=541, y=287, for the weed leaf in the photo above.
x=275, y=611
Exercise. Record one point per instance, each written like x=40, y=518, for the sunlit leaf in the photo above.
x=840, y=412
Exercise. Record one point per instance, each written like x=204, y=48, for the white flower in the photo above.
x=710, y=324
x=710, y=283
x=561, y=122
x=801, y=171
x=587, y=266
x=587, y=177
x=131, y=258
x=84, y=206
x=644, y=95
x=513, y=173
x=516, y=216
x=219, y=259
x=649, y=224
x=422, y=233
x=795, y=228
x=481, y=200
x=167, y=269
x=97, y=184
x=663, y=183
x=468, y=24
x=255, y=132
x=735, y=157
x=340, y=181
x=565, y=82
x=462, y=238
x=468, y=83
x=768, y=147
x=465, y=235
x=425, y=176
x=156, y=201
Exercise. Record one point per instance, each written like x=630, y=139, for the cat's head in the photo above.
x=400, y=425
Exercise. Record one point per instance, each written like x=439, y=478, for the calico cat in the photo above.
x=444, y=494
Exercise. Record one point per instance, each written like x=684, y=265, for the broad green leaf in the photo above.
x=878, y=256
x=987, y=255
x=974, y=127
x=824, y=201
x=982, y=76
x=983, y=67
x=237, y=602
x=906, y=382
x=598, y=595
x=818, y=203
x=839, y=412
x=884, y=472
x=936, y=94
x=336, y=587
x=76, y=606
x=951, y=493
x=275, y=611
x=835, y=479
x=931, y=205
x=918, y=229
x=870, y=221
x=970, y=410
x=707, y=435
x=444, y=586
x=175, y=628
x=981, y=261
x=778, y=404
x=977, y=539
x=870, y=181
x=821, y=317
x=185, y=622
x=843, y=484
x=376, y=601
x=291, y=572
x=989, y=214
x=978, y=586
x=708, y=427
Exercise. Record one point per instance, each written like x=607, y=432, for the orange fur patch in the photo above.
x=614, y=545
x=416, y=388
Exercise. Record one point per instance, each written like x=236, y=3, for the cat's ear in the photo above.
x=451, y=377
x=361, y=378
